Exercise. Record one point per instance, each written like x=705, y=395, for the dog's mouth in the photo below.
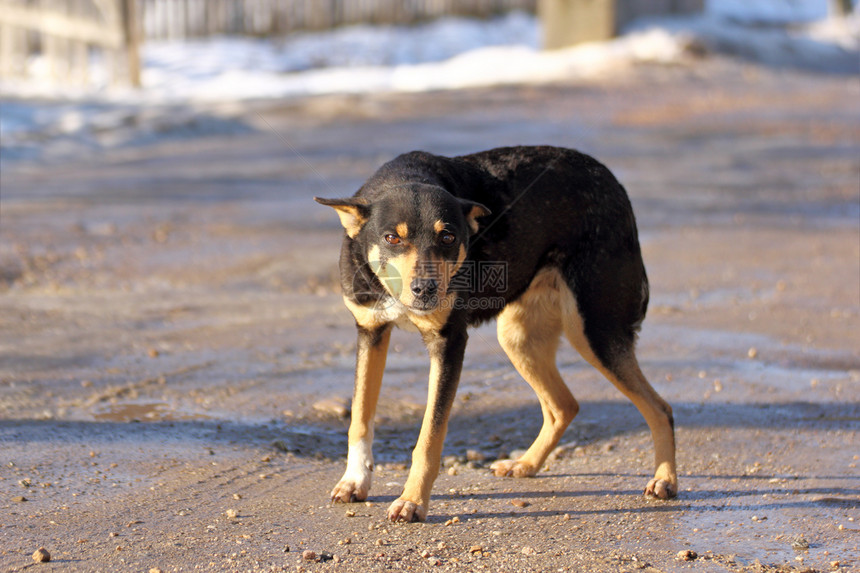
x=424, y=304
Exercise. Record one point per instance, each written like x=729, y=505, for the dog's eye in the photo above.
x=447, y=239
x=392, y=239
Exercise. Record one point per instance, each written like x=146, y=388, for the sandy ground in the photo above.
x=175, y=359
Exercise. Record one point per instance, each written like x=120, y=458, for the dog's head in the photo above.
x=414, y=236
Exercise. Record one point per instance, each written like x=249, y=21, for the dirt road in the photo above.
x=175, y=359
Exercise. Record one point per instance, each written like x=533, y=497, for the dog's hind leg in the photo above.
x=618, y=363
x=529, y=330
x=627, y=377
x=370, y=363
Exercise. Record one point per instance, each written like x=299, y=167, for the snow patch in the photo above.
x=183, y=82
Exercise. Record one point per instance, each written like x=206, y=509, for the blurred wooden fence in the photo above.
x=60, y=40
x=67, y=40
x=72, y=41
x=195, y=18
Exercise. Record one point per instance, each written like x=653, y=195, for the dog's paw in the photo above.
x=349, y=491
x=513, y=468
x=661, y=489
x=408, y=511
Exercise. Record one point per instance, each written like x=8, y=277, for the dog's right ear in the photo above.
x=353, y=212
x=472, y=211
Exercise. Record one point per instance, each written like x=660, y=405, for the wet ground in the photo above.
x=176, y=363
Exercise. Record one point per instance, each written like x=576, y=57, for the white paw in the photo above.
x=355, y=483
x=348, y=490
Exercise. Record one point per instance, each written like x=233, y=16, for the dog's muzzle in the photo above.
x=425, y=292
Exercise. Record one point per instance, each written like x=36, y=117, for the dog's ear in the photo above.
x=472, y=211
x=353, y=212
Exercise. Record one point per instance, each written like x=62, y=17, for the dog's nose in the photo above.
x=424, y=287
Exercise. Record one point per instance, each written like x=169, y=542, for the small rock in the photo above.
x=20, y=499
x=309, y=555
x=476, y=549
x=562, y=450
x=41, y=555
x=452, y=471
x=325, y=556
x=237, y=496
x=350, y=513
x=752, y=352
x=528, y=550
x=425, y=554
x=799, y=543
x=687, y=555
x=231, y=513
x=283, y=446
x=332, y=406
x=153, y=353
x=835, y=564
x=156, y=570
x=519, y=503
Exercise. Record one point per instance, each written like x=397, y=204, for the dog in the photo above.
x=555, y=232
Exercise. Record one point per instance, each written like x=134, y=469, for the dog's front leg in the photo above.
x=446, y=361
x=372, y=349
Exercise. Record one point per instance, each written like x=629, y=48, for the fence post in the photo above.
x=132, y=41
x=7, y=50
x=569, y=22
x=841, y=7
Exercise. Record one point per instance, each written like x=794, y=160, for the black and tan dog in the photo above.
x=541, y=238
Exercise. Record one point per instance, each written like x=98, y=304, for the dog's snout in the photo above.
x=424, y=287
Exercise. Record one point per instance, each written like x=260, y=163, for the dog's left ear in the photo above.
x=472, y=211
x=353, y=212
